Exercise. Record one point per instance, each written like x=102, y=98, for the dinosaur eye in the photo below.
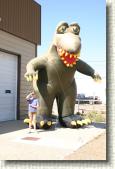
x=76, y=30
x=61, y=29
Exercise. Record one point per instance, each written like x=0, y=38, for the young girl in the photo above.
x=32, y=109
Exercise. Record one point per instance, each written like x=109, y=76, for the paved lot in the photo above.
x=55, y=144
x=93, y=150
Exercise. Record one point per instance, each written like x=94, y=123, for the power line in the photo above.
x=103, y=77
x=96, y=61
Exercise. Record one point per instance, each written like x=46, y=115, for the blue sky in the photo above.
x=90, y=15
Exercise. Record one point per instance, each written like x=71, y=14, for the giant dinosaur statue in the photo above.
x=55, y=71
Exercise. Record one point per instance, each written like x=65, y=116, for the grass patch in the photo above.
x=95, y=116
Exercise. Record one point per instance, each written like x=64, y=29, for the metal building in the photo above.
x=20, y=33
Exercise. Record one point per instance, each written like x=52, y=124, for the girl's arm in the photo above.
x=28, y=96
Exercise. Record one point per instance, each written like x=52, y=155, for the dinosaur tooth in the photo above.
x=66, y=53
x=71, y=65
x=61, y=53
x=71, y=55
x=75, y=56
x=67, y=64
x=65, y=61
x=62, y=58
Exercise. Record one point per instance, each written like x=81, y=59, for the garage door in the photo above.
x=8, y=86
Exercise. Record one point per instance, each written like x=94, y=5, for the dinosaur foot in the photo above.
x=27, y=121
x=42, y=122
x=74, y=121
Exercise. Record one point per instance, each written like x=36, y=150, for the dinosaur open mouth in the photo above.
x=69, y=59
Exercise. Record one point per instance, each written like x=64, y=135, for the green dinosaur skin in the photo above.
x=56, y=80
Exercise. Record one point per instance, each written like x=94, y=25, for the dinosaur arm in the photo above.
x=33, y=66
x=85, y=69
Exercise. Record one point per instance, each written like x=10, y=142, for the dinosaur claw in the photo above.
x=73, y=123
x=79, y=123
x=26, y=120
x=36, y=76
x=49, y=123
x=41, y=123
x=84, y=122
x=30, y=78
x=27, y=78
x=88, y=120
x=97, y=77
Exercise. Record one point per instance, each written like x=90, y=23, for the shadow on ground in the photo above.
x=99, y=125
x=10, y=126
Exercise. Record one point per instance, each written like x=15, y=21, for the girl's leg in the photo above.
x=34, y=120
x=30, y=117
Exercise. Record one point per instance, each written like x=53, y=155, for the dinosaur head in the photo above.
x=68, y=43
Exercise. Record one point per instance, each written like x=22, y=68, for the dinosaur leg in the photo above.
x=46, y=98
x=66, y=103
x=44, y=119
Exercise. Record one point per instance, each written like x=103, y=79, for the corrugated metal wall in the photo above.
x=21, y=18
x=26, y=50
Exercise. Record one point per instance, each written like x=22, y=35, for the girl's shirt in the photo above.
x=32, y=102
